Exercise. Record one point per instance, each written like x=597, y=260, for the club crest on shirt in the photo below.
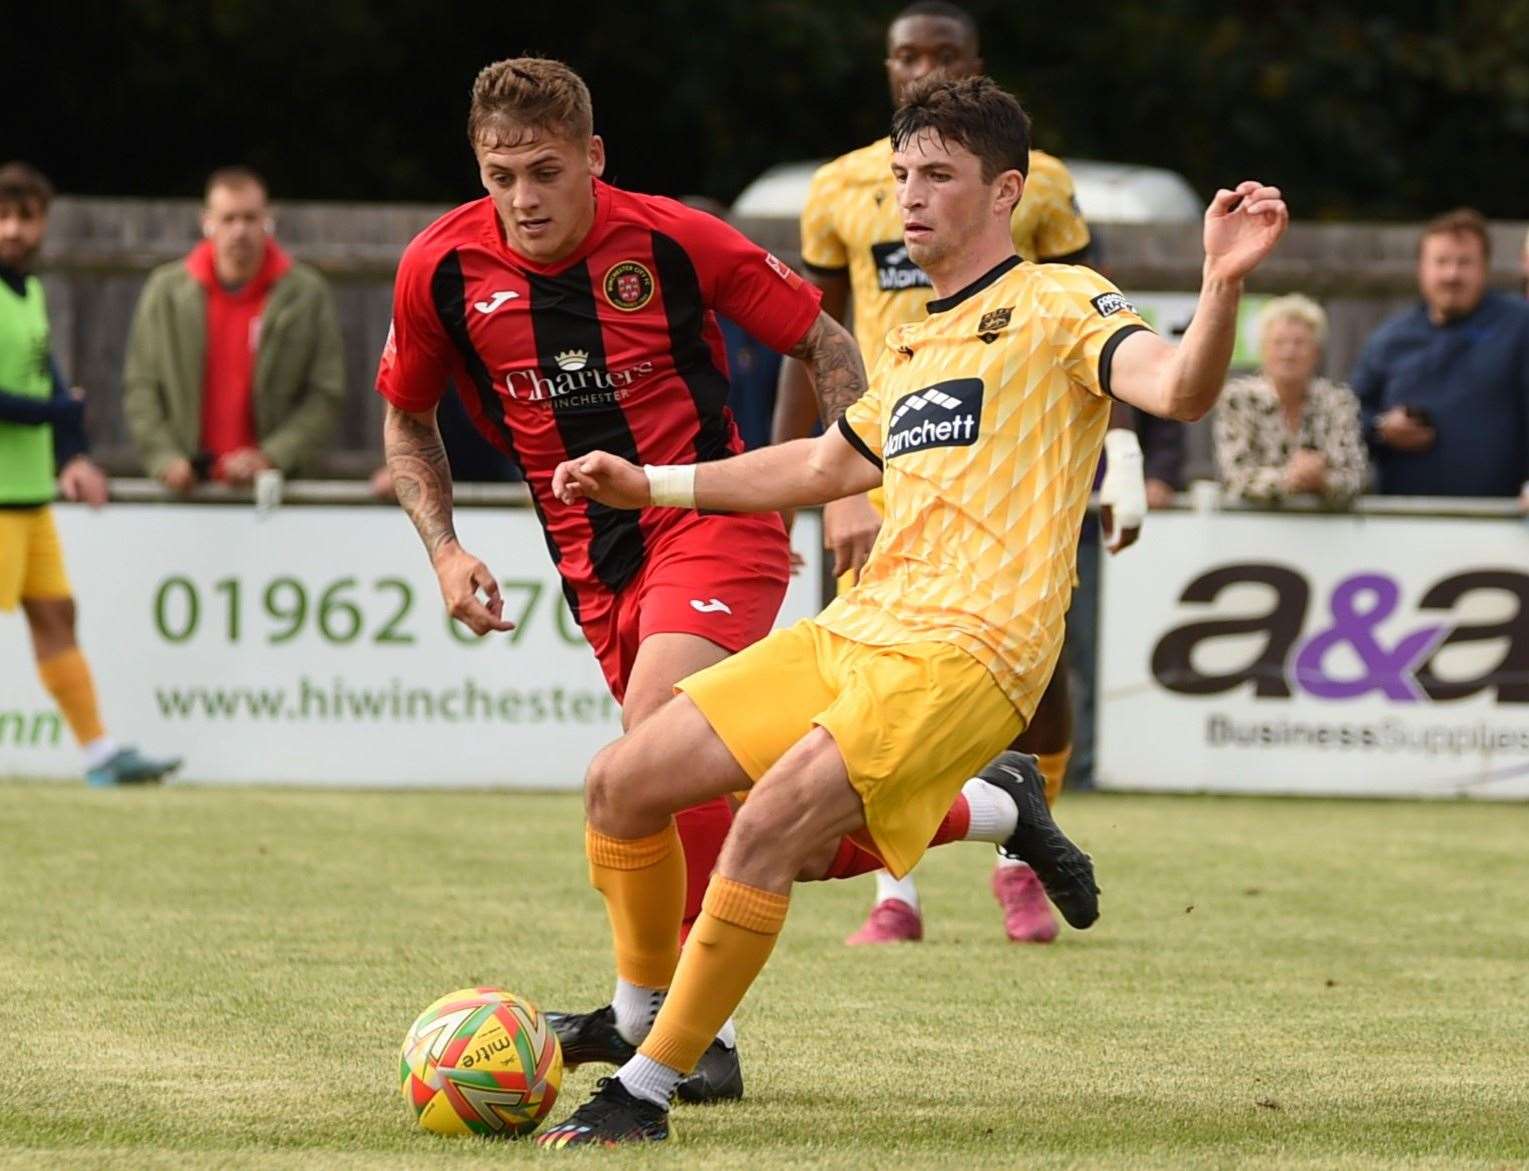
x=991, y=323
x=1109, y=304
x=628, y=285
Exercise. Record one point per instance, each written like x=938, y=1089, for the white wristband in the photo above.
x=671, y=485
x=1122, y=446
x=1123, y=487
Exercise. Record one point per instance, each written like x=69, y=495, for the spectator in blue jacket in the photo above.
x=1444, y=386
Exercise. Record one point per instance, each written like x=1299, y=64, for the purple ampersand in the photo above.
x=1387, y=671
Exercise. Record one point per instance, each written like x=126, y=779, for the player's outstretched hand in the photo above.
x=470, y=591
x=602, y=477
x=1241, y=228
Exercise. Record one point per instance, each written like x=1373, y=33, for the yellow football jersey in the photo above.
x=851, y=222
x=988, y=418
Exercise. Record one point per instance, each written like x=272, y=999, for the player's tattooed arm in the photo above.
x=833, y=359
x=422, y=482
x=421, y=475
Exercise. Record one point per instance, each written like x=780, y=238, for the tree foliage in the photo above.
x=1358, y=110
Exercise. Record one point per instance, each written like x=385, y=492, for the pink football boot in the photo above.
x=1027, y=916
x=893, y=921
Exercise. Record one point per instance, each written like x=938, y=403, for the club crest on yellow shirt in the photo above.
x=991, y=323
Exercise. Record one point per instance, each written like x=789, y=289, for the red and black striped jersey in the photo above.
x=614, y=348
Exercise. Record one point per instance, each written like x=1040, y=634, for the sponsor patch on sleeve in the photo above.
x=1109, y=304
x=390, y=348
x=782, y=270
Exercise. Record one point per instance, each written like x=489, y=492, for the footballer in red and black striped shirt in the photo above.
x=577, y=317
x=613, y=347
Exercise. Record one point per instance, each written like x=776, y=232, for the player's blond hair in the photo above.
x=1294, y=307
x=525, y=94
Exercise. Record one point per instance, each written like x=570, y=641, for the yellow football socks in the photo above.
x=67, y=678
x=726, y=950
x=1053, y=766
x=643, y=881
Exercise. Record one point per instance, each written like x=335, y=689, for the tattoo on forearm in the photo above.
x=838, y=374
x=421, y=476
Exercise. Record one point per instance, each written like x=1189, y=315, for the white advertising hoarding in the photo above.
x=1325, y=654
x=310, y=646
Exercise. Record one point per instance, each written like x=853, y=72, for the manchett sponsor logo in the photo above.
x=943, y=415
x=895, y=269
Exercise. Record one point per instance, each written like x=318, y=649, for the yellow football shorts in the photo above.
x=912, y=722
x=31, y=559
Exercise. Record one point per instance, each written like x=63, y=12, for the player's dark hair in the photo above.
x=24, y=185
x=529, y=93
x=975, y=112
x=945, y=11
x=1463, y=221
x=235, y=177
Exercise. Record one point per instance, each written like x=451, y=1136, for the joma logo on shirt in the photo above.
x=895, y=269
x=947, y=414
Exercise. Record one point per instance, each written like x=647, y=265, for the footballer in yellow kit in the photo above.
x=985, y=422
x=853, y=249
x=850, y=225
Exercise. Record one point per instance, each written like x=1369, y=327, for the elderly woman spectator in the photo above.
x=1284, y=431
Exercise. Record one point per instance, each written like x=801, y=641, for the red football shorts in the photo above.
x=721, y=576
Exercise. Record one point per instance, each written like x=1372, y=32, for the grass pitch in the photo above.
x=221, y=978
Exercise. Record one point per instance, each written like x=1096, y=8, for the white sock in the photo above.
x=1007, y=863
x=647, y=1079
x=99, y=751
x=994, y=814
x=888, y=887
x=636, y=1009
x=728, y=1034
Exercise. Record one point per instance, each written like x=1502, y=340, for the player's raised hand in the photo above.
x=470, y=591
x=1241, y=228
x=602, y=477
